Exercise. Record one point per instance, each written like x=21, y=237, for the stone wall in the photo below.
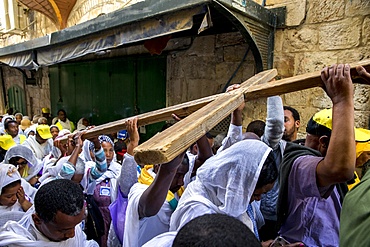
x=37, y=96
x=328, y=32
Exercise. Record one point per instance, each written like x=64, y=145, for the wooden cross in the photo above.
x=205, y=113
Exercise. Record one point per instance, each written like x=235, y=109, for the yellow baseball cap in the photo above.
x=44, y=131
x=45, y=110
x=6, y=142
x=362, y=137
x=321, y=123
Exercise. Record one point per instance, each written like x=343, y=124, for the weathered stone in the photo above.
x=362, y=119
x=278, y=41
x=296, y=10
x=366, y=31
x=325, y=10
x=284, y=65
x=202, y=46
x=313, y=61
x=228, y=39
x=357, y=7
x=361, y=97
x=235, y=53
x=353, y=55
x=340, y=34
x=303, y=39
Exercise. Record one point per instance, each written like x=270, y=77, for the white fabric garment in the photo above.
x=8, y=175
x=40, y=150
x=139, y=231
x=187, y=177
x=163, y=240
x=227, y=181
x=29, y=129
x=35, y=165
x=25, y=234
x=66, y=124
x=29, y=192
x=80, y=125
x=113, y=172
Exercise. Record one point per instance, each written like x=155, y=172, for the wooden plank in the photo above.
x=166, y=145
x=297, y=83
x=156, y=116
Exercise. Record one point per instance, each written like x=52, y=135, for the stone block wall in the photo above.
x=37, y=96
x=329, y=32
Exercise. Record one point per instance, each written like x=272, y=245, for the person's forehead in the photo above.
x=288, y=113
x=182, y=169
x=64, y=221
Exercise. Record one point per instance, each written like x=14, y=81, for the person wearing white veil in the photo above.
x=53, y=221
x=12, y=194
x=226, y=183
x=27, y=164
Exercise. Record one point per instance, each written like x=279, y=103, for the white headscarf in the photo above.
x=80, y=125
x=8, y=175
x=225, y=181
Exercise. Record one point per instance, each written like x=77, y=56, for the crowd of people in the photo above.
x=263, y=187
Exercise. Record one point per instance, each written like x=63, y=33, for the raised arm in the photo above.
x=274, y=128
x=128, y=176
x=154, y=196
x=339, y=162
x=234, y=133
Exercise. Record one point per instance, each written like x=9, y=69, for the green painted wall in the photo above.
x=109, y=90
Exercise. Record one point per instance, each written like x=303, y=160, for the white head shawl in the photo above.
x=230, y=177
x=29, y=129
x=8, y=175
x=80, y=125
x=23, y=152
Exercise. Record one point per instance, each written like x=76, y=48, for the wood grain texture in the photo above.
x=171, y=142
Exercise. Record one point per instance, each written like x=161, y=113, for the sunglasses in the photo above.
x=23, y=163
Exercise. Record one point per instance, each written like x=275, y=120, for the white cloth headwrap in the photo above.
x=22, y=152
x=224, y=183
x=8, y=174
x=80, y=125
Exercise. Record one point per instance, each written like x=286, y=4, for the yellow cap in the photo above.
x=44, y=131
x=6, y=142
x=45, y=110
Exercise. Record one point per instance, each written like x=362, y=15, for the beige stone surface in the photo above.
x=284, y=65
x=362, y=97
x=357, y=7
x=302, y=39
x=296, y=10
x=340, y=34
x=325, y=10
x=366, y=31
x=313, y=61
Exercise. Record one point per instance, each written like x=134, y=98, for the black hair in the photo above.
x=314, y=128
x=269, y=172
x=215, y=230
x=61, y=110
x=185, y=160
x=294, y=112
x=119, y=146
x=209, y=135
x=58, y=195
x=13, y=160
x=6, y=124
x=11, y=185
x=257, y=127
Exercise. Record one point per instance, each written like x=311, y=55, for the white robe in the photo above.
x=139, y=231
x=40, y=150
x=25, y=234
x=224, y=184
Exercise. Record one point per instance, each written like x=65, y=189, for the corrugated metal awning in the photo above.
x=142, y=21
